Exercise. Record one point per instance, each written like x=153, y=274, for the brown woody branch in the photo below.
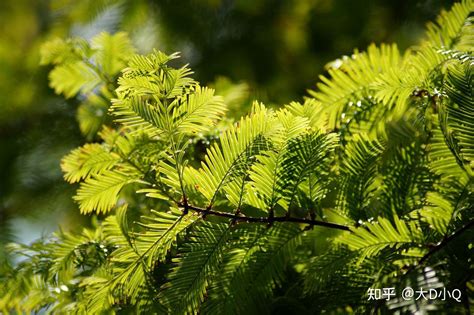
x=269, y=220
x=440, y=246
x=445, y=242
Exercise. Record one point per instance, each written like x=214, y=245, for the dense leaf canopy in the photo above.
x=367, y=183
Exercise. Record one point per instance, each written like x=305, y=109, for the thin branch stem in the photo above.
x=445, y=242
x=238, y=217
x=441, y=245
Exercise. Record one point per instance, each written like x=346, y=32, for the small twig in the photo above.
x=441, y=245
x=237, y=213
x=445, y=242
x=269, y=220
x=185, y=205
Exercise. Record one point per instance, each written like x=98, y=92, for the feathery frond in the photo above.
x=224, y=161
x=100, y=193
x=457, y=116
x=387, y=136
x=198, y=262
x=359, y=171
x=372, y=238
x=86, y=161
x=355, y=79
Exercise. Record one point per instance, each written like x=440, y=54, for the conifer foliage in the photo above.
x=366, y=184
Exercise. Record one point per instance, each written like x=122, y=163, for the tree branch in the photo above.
x=445, y=242
x=441, y=245
x=237, y=217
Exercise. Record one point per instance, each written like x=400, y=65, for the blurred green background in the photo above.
x=277, y=47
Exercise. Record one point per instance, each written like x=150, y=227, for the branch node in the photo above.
x=185, y=205
x=269, y=220
x=233, y=222
x=206, y=211
x=271, y=217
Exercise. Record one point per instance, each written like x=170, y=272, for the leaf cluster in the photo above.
x=381, y=154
